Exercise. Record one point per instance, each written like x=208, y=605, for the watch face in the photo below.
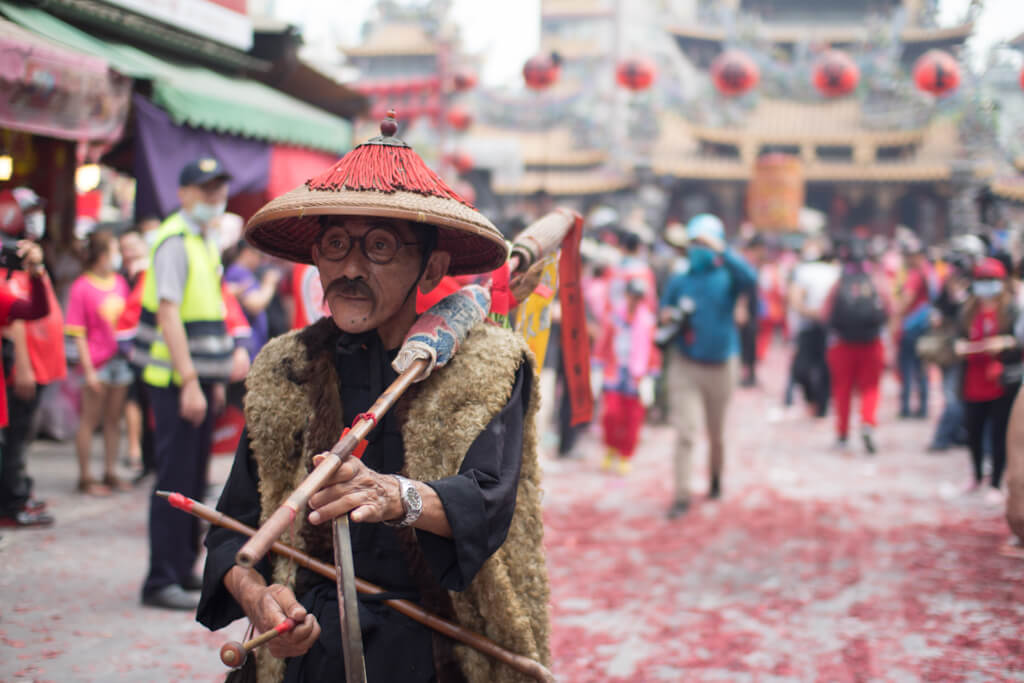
x=413, y=498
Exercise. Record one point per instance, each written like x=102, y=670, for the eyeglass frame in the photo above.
x=362, y=243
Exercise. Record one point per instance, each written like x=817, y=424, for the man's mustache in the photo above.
x=348, y=287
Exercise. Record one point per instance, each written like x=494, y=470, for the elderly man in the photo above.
x=444, y=502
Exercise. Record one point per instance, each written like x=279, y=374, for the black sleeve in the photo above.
x=480, y=499
x=241, y=500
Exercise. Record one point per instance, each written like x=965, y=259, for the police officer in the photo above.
x=185, y=352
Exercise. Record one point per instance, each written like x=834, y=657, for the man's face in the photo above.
x=212, y=192
x=363, y=295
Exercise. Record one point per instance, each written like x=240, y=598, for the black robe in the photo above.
x=479, y=503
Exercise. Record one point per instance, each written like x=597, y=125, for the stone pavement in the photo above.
x=816, y=566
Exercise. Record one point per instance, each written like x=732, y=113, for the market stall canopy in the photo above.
x=199, y=97
x=48, y=89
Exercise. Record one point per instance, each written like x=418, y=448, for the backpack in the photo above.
x=857, y=311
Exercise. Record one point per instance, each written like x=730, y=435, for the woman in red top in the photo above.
x=988, y=321
x=14, y=308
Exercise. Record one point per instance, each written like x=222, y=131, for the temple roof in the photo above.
x=825, y=33
x=552, y=147
x=807, y=126
x=574, y=8
x=394, y=40
x=565, y=183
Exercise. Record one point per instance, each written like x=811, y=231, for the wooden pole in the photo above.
x=522, y=664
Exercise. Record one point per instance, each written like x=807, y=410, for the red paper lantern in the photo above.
x=540, y=72
x=835, y=74
x=461, y=162
x=734, y=73
x=459, y=119
x=937, y=72
x=635, y=74
x=464, y=80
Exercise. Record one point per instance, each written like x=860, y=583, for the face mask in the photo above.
x=204, y=214
x=116, y=262
x=987, y=289
x=150, y=237
x=701, y=258
x=35, y=226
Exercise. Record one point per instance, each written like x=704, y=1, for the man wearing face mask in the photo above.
x=36, y=350
x=703, y=372
x=185, y=352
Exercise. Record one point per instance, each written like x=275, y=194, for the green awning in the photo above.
x=199, y=97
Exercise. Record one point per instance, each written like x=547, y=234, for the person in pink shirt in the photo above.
x=625, y=350
x=95, y=303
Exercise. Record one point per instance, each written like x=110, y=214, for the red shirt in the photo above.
x=45, y=337
x=981, y=378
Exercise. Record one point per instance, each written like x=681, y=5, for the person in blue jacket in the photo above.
x=703, y=354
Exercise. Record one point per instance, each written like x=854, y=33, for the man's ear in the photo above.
x=315, y=255
x=437, y=268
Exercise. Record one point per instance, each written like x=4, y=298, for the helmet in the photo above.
x=990, y=269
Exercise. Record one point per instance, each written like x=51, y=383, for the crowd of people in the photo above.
x=679, y=322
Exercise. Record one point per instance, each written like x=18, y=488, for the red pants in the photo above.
x=856, y=367
x=623, y=418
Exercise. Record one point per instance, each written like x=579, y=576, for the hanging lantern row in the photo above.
x=635, y=74
x=835, y=73
x=541, y=72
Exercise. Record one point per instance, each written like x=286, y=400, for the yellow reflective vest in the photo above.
x=202, y=313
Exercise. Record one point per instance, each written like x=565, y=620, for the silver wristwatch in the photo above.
x=411, y=502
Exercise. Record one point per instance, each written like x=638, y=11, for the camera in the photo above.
x=678, y=323
x=9, y=258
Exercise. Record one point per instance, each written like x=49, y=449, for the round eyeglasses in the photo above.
x=379, y=245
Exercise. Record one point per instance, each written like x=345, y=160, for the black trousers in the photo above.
x=748, y=348
x=810, y=367
x=182, y=454
x=15, y=484
x=996, y=414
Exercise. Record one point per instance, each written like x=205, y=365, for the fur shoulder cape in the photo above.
x=293, y=411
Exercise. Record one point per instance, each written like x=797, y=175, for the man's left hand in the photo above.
x=24, y=382
x=370, y=496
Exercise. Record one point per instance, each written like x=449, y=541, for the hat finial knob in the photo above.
x=389, y=126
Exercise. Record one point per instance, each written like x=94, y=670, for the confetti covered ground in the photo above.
x=816, y=566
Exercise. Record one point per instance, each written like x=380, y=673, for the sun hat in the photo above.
x=383, y=177
x=705, y=225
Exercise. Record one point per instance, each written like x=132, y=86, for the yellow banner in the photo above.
x=533, y=316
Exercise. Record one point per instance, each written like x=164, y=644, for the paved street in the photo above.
x=817, y=566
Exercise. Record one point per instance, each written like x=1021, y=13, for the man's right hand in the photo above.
x=193, y=402
x=269, y=607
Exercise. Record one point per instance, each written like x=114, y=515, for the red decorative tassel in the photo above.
x=383, y=168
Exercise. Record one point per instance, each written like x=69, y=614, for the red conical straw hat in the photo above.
x=381, y=177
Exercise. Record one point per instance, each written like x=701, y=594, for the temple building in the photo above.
x=881, y=156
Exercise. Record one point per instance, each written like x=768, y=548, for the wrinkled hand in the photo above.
x=368, y=495
x=269, y=607
x=193, y=403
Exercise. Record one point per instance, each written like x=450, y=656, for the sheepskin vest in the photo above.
x=293, y=411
